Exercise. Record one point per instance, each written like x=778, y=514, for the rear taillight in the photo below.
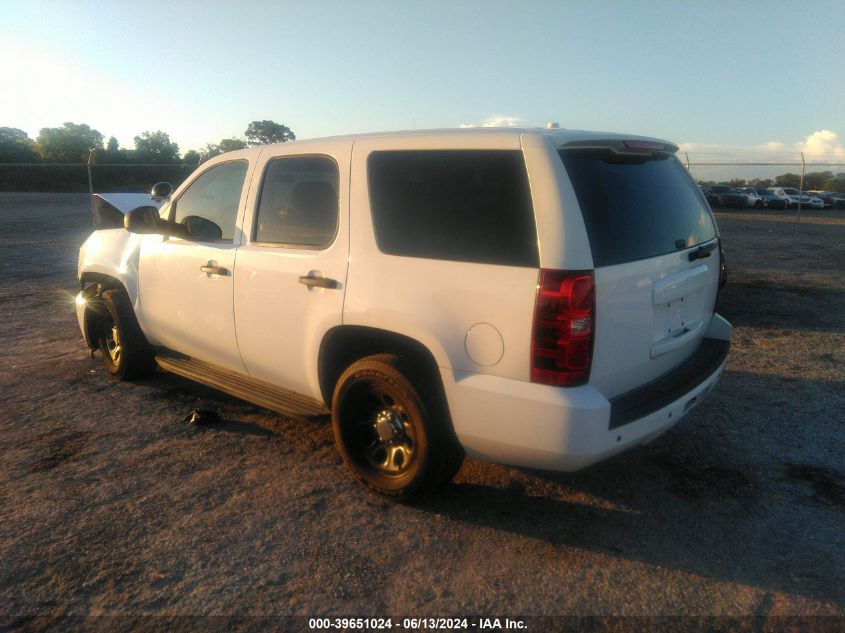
x=564, y=317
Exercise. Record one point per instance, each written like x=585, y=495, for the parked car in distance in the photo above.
x=753, y=199
x=540, y=298
x=831, y=199
x=773, y=200
x=795, y=197
x=720, y=196
x=782, y=192
x=827, y=199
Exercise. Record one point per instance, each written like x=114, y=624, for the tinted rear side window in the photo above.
x=636, y=207
x=471, y=206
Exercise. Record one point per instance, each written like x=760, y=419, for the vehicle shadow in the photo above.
x=692, y=530
x=236, y=426
x=766, y=304
x=697, y=500
x=193, y=395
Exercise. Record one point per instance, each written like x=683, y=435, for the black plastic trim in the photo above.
x=247, y=388
x=670, y=387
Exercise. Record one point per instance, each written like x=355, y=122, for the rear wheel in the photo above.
x=389, y=436
x=125, y=351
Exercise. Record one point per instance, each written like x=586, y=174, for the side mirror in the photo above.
x=202, y=229
x=144, y=220
x=161, y=191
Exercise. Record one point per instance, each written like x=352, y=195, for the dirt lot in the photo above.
x=112, y=505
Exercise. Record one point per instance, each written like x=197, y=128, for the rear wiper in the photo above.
x=703, y=251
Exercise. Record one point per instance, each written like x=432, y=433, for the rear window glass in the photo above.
x=460, y=205
x=636, y=207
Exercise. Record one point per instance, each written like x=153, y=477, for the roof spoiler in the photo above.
x=634, y=146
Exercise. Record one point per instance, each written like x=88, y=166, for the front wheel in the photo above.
x=387, y=434
x=126, y=353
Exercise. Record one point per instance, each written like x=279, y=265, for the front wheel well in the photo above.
x=107, y=282
x=93, y=285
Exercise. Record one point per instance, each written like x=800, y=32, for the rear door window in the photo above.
x=298, y=205
x=636, y=207
x=459, y=205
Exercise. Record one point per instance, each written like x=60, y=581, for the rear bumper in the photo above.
x=537, y=426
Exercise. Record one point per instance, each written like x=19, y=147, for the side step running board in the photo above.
x=255, y=391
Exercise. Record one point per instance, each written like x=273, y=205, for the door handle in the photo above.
x=318, y=282
x=213, y=268
x=702, y=252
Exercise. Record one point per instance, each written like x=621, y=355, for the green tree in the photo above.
x=225, y=145
x=156, y=147
x=69, y=143
x=819, y=180
x=788, y=180
x=761, y=183
x=113, y=153
x=264, y=132
x=736, y=182
x=231, y=144
x=191, y=157
x=16, y=146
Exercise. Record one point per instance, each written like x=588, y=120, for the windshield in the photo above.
x=636, y=206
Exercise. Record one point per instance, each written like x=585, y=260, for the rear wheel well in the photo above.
x=345, y=344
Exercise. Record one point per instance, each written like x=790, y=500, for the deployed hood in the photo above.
x=108, y=209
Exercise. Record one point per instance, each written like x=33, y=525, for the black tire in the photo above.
x=395, y=440
x=125, y=351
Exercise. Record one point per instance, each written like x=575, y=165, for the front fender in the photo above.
x=111, y=253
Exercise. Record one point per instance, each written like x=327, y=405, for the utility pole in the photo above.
x=89, y=162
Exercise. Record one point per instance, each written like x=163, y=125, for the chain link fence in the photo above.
x=110, y=177
x=795, y=171
x=721, y=169
x=87, y=178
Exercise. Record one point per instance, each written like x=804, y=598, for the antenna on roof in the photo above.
x=552, y=125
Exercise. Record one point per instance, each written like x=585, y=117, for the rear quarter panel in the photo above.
x=437, y=302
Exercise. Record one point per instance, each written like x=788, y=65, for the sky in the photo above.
x=735, y=80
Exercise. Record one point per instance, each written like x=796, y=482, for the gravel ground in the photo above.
x=113, y=506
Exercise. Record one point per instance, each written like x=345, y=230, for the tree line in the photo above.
x=74, y=142
x=813, y=181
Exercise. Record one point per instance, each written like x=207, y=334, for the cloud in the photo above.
x=697, y=147
x=820, y=146
x=498, y=120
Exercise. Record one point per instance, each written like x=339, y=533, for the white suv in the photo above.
x=542, y=298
